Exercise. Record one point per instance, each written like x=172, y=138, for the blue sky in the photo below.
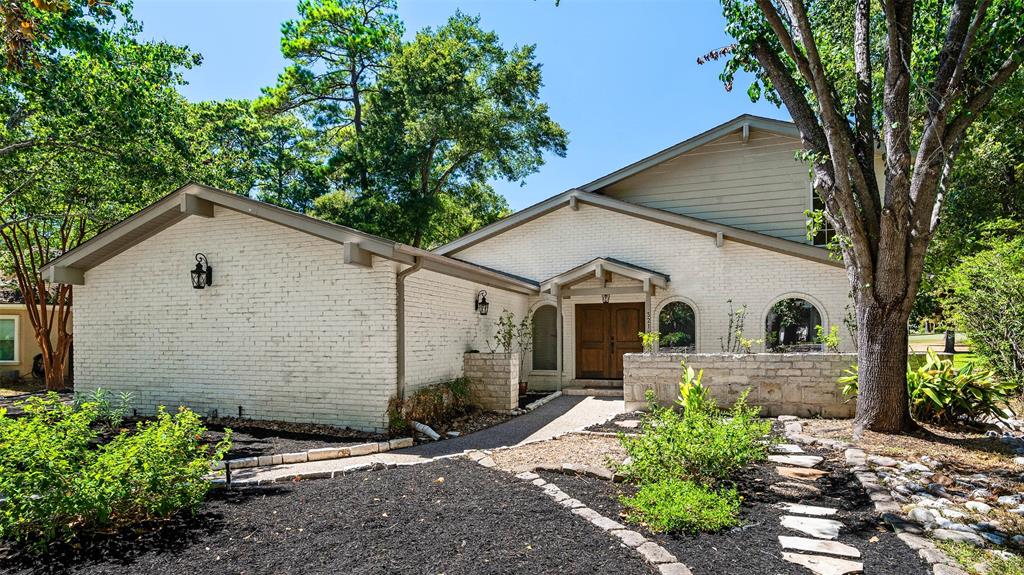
x=620, y=76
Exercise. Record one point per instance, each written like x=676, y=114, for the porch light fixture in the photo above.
x=202, y=275
x=481, y=302
x=605, y=297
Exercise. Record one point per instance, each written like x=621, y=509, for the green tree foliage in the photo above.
x=985, y=297
x=908, y=77
x=336, y=48
x=415, y=130
x=86, y=128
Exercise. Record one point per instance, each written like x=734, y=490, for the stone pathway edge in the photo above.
x=319, y=454
x=657, y=556
x=856, y=459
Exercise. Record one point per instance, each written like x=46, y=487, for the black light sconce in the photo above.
x=605, y=298
x=202, y=275
x=481, y=302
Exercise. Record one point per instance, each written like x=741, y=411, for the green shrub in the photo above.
x=985, y=296
x=434, y=405
x=703, y=444
x=692, y=392
x=679, y=505
x=941, y=394
x=110, y=410
x=55, y=485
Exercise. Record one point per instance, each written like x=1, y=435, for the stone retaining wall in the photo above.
x=493, y=380
x=802, y=384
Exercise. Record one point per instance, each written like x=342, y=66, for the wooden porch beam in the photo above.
x=65, y=275
x=356, y=255
x=192, y=205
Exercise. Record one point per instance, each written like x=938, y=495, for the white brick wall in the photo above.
x=287, y=331
x=441, y=324
x=701, y=273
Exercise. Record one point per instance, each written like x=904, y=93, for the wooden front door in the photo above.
x=605, y=331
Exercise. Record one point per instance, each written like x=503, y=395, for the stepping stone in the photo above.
x=824, y=565
x=800, y=473
x=628, y=423
x=817, y=546
x=787, y=448
x=820, y=528
x=674, y=569
x=630, y=538
x=958, y=537
x=655, y=553
x=807, y=509
x=794, y=490
x=797, y=460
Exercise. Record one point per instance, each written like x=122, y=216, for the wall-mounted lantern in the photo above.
x=202, y=275
x=481, y=302
x=605, y=298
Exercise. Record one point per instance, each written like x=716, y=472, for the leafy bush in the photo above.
x=433, y=405
x=985, y=296
x=680, y=505
x=110, y=410
x=54, y=484
x=691, y=391
x=829, y=340
x=941, y=394
x=702, y=444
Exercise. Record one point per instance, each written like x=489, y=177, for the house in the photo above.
x=311, y=321
x=18, y=344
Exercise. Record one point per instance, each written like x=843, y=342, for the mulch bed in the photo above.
x=474, y=420
x=753, y=548
x=610, y=426
x=450, y=516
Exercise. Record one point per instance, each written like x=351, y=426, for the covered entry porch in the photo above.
x=595, y=312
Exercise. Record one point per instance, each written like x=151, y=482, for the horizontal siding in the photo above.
x=757, y=186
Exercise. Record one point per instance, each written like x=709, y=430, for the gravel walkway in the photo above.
x=562, y=415
x=449, y=516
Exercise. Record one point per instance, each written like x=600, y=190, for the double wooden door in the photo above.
x=605, y=331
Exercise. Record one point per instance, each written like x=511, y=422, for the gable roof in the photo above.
x=198, y=200
x=744, y=122
x=572, y=198
x=596, y=266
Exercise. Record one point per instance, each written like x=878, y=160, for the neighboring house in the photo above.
x=18, y=345
x=311, y=321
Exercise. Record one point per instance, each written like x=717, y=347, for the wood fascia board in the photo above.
x=300, y=222
x=711, y=229
x=596, y=268
x=768, y=124
x=116, y=232
x=515, y=220
x=570, y=292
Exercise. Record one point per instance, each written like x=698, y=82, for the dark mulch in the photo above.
x=610, y=426
x=449, y=516
x=753, y=548
x=469, y=422
x=531, y=396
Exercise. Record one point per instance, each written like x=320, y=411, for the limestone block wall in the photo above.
x=802, y=384
x=494, y=380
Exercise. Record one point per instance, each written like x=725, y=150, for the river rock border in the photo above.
x=885, y=505
x=319, y=454
x=649, y=551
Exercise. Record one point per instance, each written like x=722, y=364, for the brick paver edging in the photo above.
x=649, y=551
x=321, y=454
x=941, y=563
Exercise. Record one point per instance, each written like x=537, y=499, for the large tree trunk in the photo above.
x=882, y=400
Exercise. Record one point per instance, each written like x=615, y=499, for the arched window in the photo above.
x=791, y=325
x=545, y=346
x=678, y=327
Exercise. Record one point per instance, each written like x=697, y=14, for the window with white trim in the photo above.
x=9, y=339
